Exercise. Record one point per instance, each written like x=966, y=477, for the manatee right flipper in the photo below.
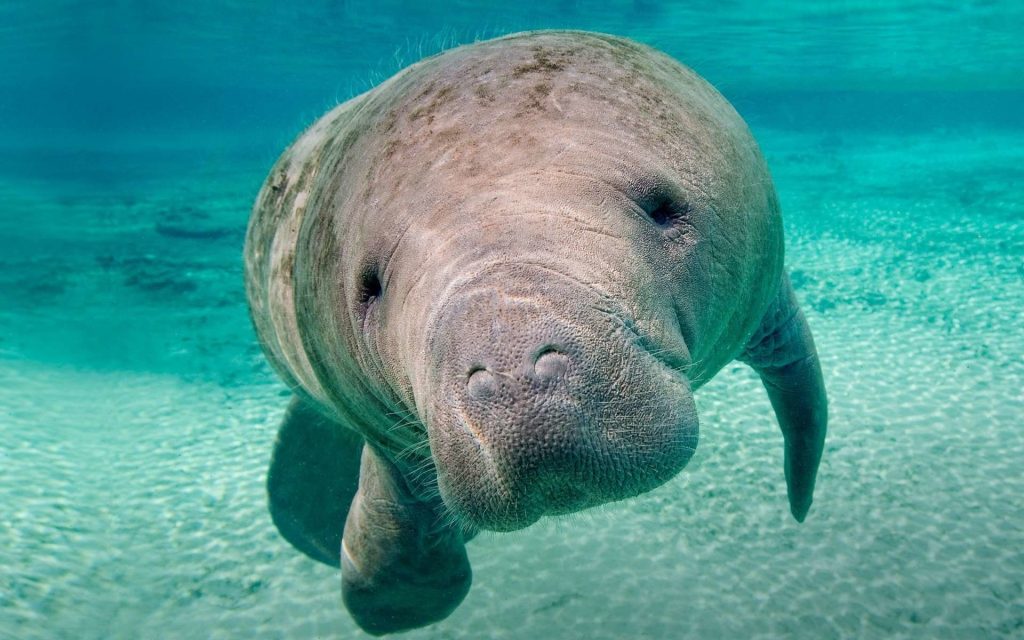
x=403, y=566
x=782, y=352
x=314, y=473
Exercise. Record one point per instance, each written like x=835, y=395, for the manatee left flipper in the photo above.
x=314, y=474
x=403, y=565
x=782, y=351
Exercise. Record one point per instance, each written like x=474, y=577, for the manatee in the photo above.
x=494, y=283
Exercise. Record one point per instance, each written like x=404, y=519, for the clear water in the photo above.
x=137, y=414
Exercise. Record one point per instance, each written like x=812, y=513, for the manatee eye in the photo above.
x=666, y=212
x=370, y=289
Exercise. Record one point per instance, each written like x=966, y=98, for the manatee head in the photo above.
x=540, y=245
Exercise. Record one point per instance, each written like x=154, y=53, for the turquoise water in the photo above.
x=137, y=413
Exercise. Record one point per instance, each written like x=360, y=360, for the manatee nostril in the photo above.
x=481, y=384
x=550, y=363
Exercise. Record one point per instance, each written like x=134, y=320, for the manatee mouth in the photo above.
x=611, y=428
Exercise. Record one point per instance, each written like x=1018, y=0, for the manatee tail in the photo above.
x=314, y=474
x=783, y=354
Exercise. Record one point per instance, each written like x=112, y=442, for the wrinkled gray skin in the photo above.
x=500, y=275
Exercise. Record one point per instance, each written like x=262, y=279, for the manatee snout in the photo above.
x=547, y=405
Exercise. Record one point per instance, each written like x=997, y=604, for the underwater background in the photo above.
x=137, y=413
